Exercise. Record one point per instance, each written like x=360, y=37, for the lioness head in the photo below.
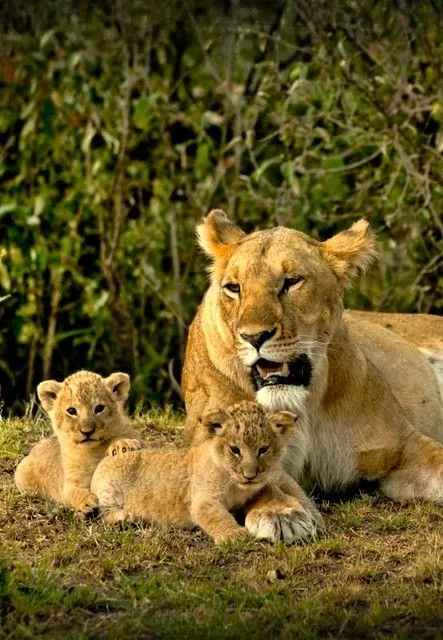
x=248, y=442
x=85, y=408
x=277, y=295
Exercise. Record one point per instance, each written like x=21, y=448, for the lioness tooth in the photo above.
x=285, y=369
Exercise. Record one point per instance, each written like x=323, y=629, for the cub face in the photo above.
x=85, y=408
x=247, y=442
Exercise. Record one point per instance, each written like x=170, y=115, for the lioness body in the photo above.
x=240, y=455
x=423, y=329
x=271, y=327
x=357, y=416
x=61, y=467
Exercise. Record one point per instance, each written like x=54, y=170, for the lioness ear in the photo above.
x=282, y=422
x=47, y=392
x=214, y=422
x=217, y=236
x=351, y=250
x=118, y=384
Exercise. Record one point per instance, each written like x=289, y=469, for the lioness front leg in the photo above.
x=277, y=515
x=420, y=472
x=216, y=521
x=289, y=486
x=122, y=445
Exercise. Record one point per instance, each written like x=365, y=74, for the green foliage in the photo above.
x=5, y=587
x=120, y=126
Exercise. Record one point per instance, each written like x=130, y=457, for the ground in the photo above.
x=376, y=573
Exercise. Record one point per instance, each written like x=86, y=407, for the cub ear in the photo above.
x=214, y=422
x=218, y=236
x=351, y=250
x=282, y=422
x=118, y=384
x=47, y=392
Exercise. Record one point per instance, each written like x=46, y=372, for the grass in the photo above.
x=377, y=573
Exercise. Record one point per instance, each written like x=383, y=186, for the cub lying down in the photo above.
x=89, y=422
x=240, y=456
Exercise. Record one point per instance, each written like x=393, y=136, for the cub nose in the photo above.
x=249, y=475
x=87, y=431
x=257, y=339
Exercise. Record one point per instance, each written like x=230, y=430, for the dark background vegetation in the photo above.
x=122, y=123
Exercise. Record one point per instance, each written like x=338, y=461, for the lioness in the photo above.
x=271, y=328
x=89, y=422
x=239, y=455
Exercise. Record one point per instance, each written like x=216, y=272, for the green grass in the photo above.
x=376, y=573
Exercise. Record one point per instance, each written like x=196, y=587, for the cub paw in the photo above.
x=87, y=506
x=231, y=536
x=288, y=524
x=113, y=515
x=122, y=446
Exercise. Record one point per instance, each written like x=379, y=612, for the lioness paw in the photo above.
x=288, y=524
x=122, y=446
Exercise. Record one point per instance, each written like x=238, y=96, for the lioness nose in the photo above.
x=257, y=339
x=249, y=475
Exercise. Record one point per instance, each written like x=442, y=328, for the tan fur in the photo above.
x=61, y=467
x=420, y=472
x=204, y=484
x=370, y=390
x=423, y=329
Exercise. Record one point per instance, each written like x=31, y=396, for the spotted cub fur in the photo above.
x=88, y=419
x=239, y=457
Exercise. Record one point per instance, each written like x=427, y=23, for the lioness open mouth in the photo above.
x=266, y=373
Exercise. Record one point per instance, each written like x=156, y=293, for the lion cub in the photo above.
x=240, y=455
x=89, y=422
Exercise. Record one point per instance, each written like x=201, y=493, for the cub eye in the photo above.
x=263, y=450
x=99, y=408
x=235, y=451
x=231, y=287
x=291, y=282
x=72, y=411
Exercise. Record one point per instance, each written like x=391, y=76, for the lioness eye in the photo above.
x=291, y=282
x=72, y=411
x=235, y=451
x=99, y=408
x=262, y=451
x=232, y=287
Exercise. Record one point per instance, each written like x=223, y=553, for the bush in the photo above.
x=120, y=127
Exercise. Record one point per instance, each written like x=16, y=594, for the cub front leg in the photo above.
x=76, y=486
x=420, y=472
x=80, y=498
x=216, y=521
x=286, y=515
x=122, y=445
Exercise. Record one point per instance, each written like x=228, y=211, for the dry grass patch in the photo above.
x=377, y=573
